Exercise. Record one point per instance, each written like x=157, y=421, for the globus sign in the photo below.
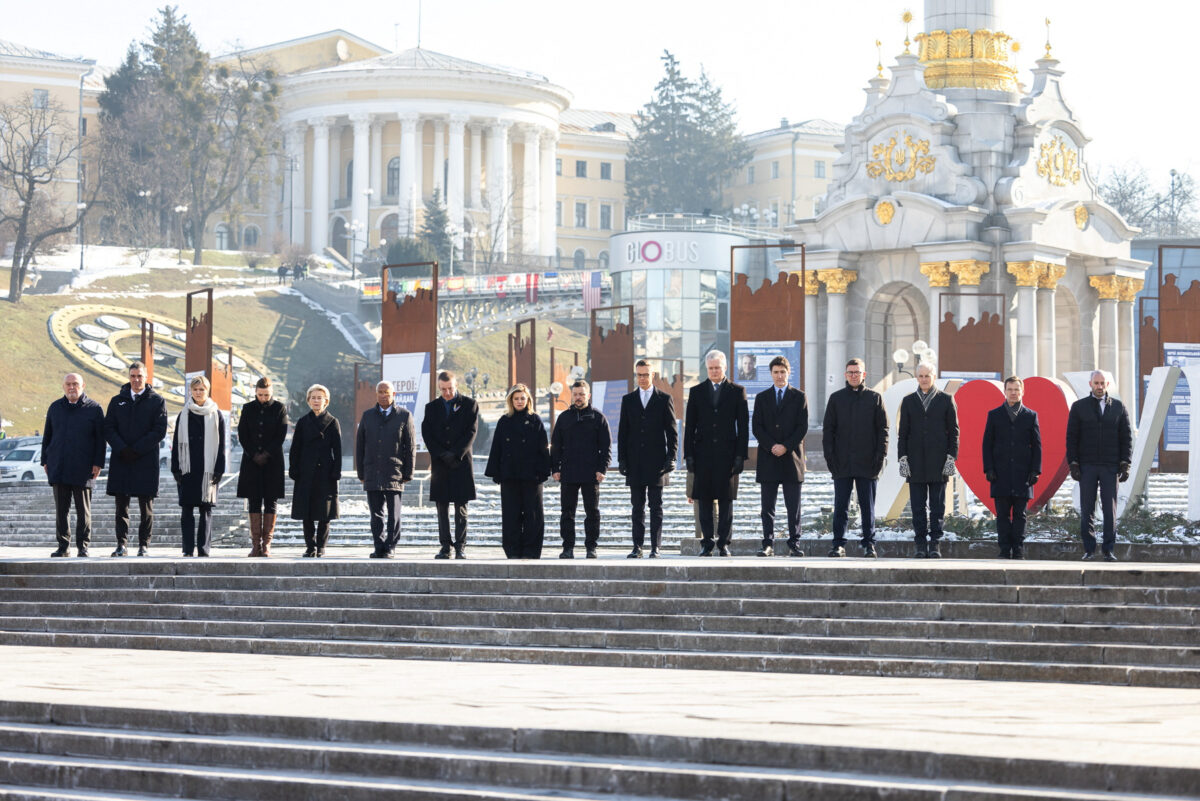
x=652, y=250
x=697, y=250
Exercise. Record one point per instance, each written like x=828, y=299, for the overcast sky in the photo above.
x=1129, y=66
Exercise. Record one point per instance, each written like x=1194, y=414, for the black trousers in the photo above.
x=865, y=488
x=927, y=522
x=638, y=495
x=196, y=538
x=1010, y=521
x=145, y=521
x=791, y=501
x=1104, y=478
x=724, y=522
x=316, y=533
x=379, y=502
x=591, y=514
x=64, y=495
x=523, y=525
x=460, y=525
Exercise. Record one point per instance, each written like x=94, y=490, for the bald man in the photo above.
x=1099, y=452
x=73, y=456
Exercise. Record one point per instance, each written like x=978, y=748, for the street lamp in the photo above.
x=921, y=353
x=454, y=231
x=181, y=210
x=355, y=228
x=79, y=207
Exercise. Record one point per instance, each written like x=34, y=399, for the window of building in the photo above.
x=250, y=235
x=222, y=236
x=83, y=126
x=350, y=178
x=558, y=166
x=558, y=213
x=580, y=259
x=604, y=260
x=581, y=169
x=774, y=169
x=41, y=153
x=252, y=191
x=606, y=171
x=818, y=169
x=750, y=174
x=581, y=215
x=41, y=98
x=393, y=177
x=605, y=217
x=83, y=177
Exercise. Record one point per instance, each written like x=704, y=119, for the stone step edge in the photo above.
x=1106, y=776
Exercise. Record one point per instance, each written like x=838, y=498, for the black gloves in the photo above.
x=990, y=476
x=448, y=459
x=128, y=454
x=1032, y=478
x=1076, y=472
x=667, y=467
x=1123, y=472
x=739, y=464
x=261, y=458
x=622, y=468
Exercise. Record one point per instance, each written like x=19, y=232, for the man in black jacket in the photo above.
x=384, y=454
x=1012, y=464
x=927, y=447
x=135, y=424
x=580, y=450
x=780, y=424
x=716, y=436
x=646, y=446
x=448, y=428
x=854, y=439
x=1099, y=452
x=73, y=455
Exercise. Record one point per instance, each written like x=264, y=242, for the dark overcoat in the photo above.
x=1096, y=439
x=73, y=441
x=855, y=433
x=449, y=439
x=784, y=425
x=927, y=437
x=315, y=467
x=581, y=445
x=1012, y=450
x=385, y=449
x=647, y=439
x=716, y=440
x=262, y=428
x=140, y=425
x=519, y=451
x=190, y=490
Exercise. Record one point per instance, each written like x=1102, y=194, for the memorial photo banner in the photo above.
x=409, y=375
x=752, y=367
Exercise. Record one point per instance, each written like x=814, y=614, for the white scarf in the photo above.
x=212, y=442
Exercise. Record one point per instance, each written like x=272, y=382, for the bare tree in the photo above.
x=40, y=152
x=1170, y=212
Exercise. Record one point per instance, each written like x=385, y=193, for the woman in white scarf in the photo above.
x=198, y=463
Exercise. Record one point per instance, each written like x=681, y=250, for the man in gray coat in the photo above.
x=385, y=450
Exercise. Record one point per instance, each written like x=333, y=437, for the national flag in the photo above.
x=531, y=287
x=591, y=291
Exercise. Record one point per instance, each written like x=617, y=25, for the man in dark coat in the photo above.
x=580, y=450
x=646, y=445
x=1099, y=453
x=854, y=438
x=73, y=455
x=448, y=428
x=780, y=424
x=1012, y=463
x=927, y=446
x=385, y=450
x=135, y=424
x=716, y=437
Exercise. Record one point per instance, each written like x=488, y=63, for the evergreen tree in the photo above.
x=686, y=146
x=410, y=251
x=435, y=231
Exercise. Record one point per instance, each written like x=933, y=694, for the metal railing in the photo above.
x=683, y=221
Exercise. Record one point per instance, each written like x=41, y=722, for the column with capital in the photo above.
x=454, y=172
x=272, y=196
x=836, y=281
x=970, y=273
x=499, y=198
x=812, y=384
x=295, y=176
x=439, y=159
x=376, y=161
x=1027, y=274
x=938, y=273
x=1108, y=288
x=531, y=194
x=549, y=192
x=408, y=157
x=1126, y=325
x=320, y=184
x=418, y=172
x=476, y=197
x=1047, y=323
x=359, y=199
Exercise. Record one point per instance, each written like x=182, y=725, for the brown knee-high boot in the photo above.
x=255, y=534
x=268, y=533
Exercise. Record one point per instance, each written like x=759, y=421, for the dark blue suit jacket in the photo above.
x=1012, y=450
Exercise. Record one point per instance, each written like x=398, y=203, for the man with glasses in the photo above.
x=780, y=424
x=646, y=447
x=855, y=439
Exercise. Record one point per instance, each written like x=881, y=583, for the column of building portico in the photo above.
x=812, y=381
x=1047, y=325
x=1027, y=274
x=475, y=178
x=531, y=193
x=272, y=196
x=320, y=185
x=295, y=177
x=439, y=159
x=418, y=173
x=499, y=198
x=360, y=200
x=376, y=160
x=836, y=281
x=408, y=155
x=1108, y=288
x=1126, y=325
x=454, y=173
x=549, y=192
x=970, y=273
x=938, y=273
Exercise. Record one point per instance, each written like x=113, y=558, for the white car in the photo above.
x=22, y=464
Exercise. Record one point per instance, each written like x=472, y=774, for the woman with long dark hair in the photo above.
x=520, y=463
x=315, y=467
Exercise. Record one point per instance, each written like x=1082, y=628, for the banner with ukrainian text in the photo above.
x=409, y=374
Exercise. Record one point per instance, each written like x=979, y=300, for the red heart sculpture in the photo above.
x=1048, y=397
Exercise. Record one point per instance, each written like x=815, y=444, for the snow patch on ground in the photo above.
x=334, y=319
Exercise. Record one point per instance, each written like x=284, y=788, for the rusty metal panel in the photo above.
x=611, y=346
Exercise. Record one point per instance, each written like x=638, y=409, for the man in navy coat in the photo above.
x=134, y=425
x=73, y=455
x=1012, y=462
x=647, y=442
x=780, y=423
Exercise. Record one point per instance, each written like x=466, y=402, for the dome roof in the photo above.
x=420, y=60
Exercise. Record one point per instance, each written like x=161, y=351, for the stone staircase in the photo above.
x=1107, y=624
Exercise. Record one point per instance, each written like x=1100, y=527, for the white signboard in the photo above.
x=409, y=375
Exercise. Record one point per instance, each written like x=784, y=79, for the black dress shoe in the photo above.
x=724, y=551
x=309, y=554
x=706, y=549
x=82, y=552
x=919, y=553
x=61, y=552
x=794, y=550
x=653, y=553
x=933, y=551
x=1018, y=552
x=837, y=550
x=1089, y=556
x=869, y=551
x=390, y=553
x=320, y=552
x=1005, y=554
x=376, y=554
x=567, y=553
x=767, y=550
x=444, y=553
x=591, y=553
x=1109, y=556
x=460, y=553
x=143, y=550
x=120, y=551
x=636, y=553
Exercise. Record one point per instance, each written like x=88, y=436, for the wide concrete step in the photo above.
x=196, y=755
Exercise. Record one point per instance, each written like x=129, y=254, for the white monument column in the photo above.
x=836, y=281
x=499, y=198
x=359, y=200
x=549, y=192
x=320, y=185
x=1025, y=359
x=531, y=194
x=271, y=191
x=812, y=381
x=418, y=171
x=1108, y=288
x=408, y=155
x=476, y=166
x=376, y=161
x=336, y=175
x=295, y=177
x=454, y=172
x=969, y=272
x=1126, y=326
x=1047, y=324
x=439, y=159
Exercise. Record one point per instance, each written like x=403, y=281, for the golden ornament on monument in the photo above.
x=884, y=212
x=1081, y=217
x=900, y=161
x=1059, y=162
